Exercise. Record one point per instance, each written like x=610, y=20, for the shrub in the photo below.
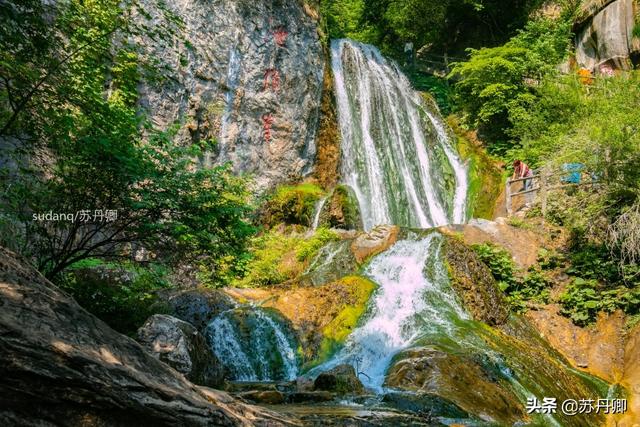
x=276, y=257
x=123, y=295
x=583, y=299
x=519, y=290
x=292, y=205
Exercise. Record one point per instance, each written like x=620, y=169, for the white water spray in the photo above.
x=414, y=300
x=396, y=154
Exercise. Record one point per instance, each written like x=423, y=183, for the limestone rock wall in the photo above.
x=246, y=73
x=605, y=39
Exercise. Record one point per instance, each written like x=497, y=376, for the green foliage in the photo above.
x=309, y=248
x=499, y=262
x=344, y=19
x=585, y=298
x=518, y=289
x=494, y=84
x=485, y=177
x=636, y=29
x=390, y=23
x=438, y=87
x=292, y=204
x=54, y=69
x=276, y=257
x=121, y=294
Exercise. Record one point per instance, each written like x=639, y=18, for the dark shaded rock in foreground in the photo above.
x=342, y=380
x=59, y=365
x=199, y=306
x=181, y=346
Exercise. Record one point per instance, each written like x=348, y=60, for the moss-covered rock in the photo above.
x=279, y=256
x=198, y=306
x=490, y=372
x=474, y=283
x=464, y=381
x=341, y=210
x=332, y=262
x=322, y=316
x=292, y=204
x=485, y=174
x=338, y=329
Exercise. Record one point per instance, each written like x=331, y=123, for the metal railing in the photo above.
x=542, y=182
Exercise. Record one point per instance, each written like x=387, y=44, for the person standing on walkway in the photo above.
x=522, y=170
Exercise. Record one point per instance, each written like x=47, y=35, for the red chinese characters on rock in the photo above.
x=280, y=36
x=267, y=121
x=272, y=79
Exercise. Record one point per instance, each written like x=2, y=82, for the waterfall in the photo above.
x=396, y=153
x=253, y=345
x=317, y=211
x=414, y=300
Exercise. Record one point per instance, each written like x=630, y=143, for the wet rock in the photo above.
x=451, y=386
x=341, y=210
x=247, y=74
x=322, y=316
x=328, y=157
x=427, y=405
x=180, y=345
x=341, y=380
x=243, y=386
x=58, y=362
x=374, y=242
x=304, y=384
x=310, y=396
x=199, y=306
x=267, y=397
x=254, y=344
x=333, y=262
x=474, y=283
x=488, y=385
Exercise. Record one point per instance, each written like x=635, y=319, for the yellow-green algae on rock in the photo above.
x=485, y=177
x=337, y=331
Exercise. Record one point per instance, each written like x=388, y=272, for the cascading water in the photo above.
x=253, y=345
x=414, y=300
x=396, y=154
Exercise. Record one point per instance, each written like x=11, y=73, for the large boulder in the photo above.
x=199, y=306
x=322, y=316
x=473, y=282
x=341, y=380
x=247, y=74
x=181, y=346
x=341, y=210
x=438, y=377
x=605, y=38
x=374, y=242
x=492, y=385
x=598, y=350
x=332, y=262
x=59, y=365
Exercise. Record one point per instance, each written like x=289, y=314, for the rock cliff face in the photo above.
x=59, y=365
x=246, y=73
x=181, y=346
x=605, y=40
